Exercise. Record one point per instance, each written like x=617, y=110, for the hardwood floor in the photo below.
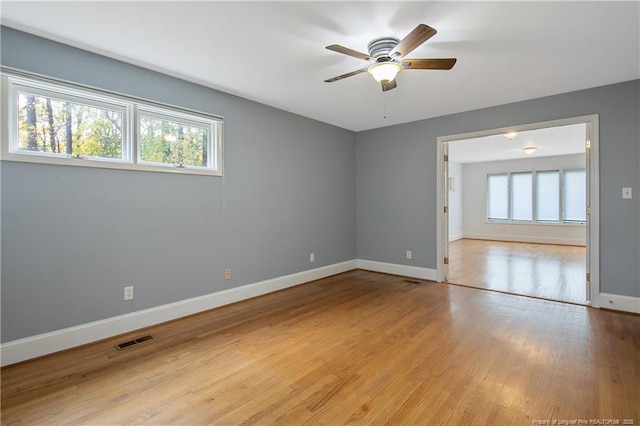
x=360, y=347
x=549, y=271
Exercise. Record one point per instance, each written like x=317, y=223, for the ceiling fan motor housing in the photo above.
x=380, y=47
x=387, y=55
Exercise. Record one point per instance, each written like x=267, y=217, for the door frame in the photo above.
x=593, y=195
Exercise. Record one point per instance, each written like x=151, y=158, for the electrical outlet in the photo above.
x=626, y=192
x=409, y=254
x=312, y=257
x=227, y=274
x=128, y=293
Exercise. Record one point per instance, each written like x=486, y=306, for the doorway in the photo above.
x=521, y=229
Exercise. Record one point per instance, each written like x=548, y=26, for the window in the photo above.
x=548, y=196
x=64, y=124
x=498, y=197
x=537, y=197
x=59, y=123
x=574, y=196
x=521, y=196
x=174, y=141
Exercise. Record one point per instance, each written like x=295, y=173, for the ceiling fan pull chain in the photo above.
x=384, y=106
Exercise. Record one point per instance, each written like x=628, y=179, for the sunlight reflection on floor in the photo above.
x=542, y=270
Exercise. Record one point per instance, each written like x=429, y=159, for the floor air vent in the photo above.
x=124, y=345
x=412, y=282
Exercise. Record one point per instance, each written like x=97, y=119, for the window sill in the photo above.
x=104, y=164
x=571, y=225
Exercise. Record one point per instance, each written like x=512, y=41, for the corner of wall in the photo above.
x=48, y=343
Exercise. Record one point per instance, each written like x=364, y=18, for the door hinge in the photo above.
x=446, y=158
x=588, y=144
x=446, y=209
x=589, y=276
x=446, y=260
x=588, y=211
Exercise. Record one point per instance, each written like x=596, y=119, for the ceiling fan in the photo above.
x=387, y=57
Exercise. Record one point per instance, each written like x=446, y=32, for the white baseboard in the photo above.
x=55, y=341
x=620, y=303
x=528, y=239
x=395, y=269
x=47, y=343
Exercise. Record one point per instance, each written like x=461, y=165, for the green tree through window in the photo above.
x=170, y=142
x=56, y=126
x=62, y=123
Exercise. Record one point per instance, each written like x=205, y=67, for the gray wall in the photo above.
x=396, y=178
x=73, y=237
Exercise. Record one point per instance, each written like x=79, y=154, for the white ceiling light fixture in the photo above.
x=529, y=149
x=384, y=71
x=510, y=135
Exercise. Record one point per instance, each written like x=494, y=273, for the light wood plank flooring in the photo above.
x=360, y=347
x=549, y=271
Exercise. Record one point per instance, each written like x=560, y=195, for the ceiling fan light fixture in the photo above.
x=384, y=71
x=529, y=149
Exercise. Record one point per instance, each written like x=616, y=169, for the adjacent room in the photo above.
x=266, y=213
x=518, y=213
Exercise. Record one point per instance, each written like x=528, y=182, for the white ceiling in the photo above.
x=552, y=141
x=274, y=53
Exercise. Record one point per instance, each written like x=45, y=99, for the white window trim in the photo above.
x=534, y=221
x=12, y=80
x=16, y=84
x=189, y=119
x=486, y=198
x=562, y=199
x=510, y=195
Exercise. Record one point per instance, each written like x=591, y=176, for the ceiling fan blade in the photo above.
x=415, y=38
x=429, y=64
x=388, y=85
x=349, y=74
x=349, y=52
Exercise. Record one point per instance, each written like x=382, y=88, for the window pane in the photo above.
x=575, y=196
x=171, y=142
x=47, y=124
x=548, y=196
x=497, y=197
x=521, y=196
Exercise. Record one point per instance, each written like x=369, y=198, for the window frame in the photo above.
x=562, y=197
x=487, y=198
x=534, y=221
x=187, y=119
x=13, y=81
x=16, y=85
x=511, y=193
